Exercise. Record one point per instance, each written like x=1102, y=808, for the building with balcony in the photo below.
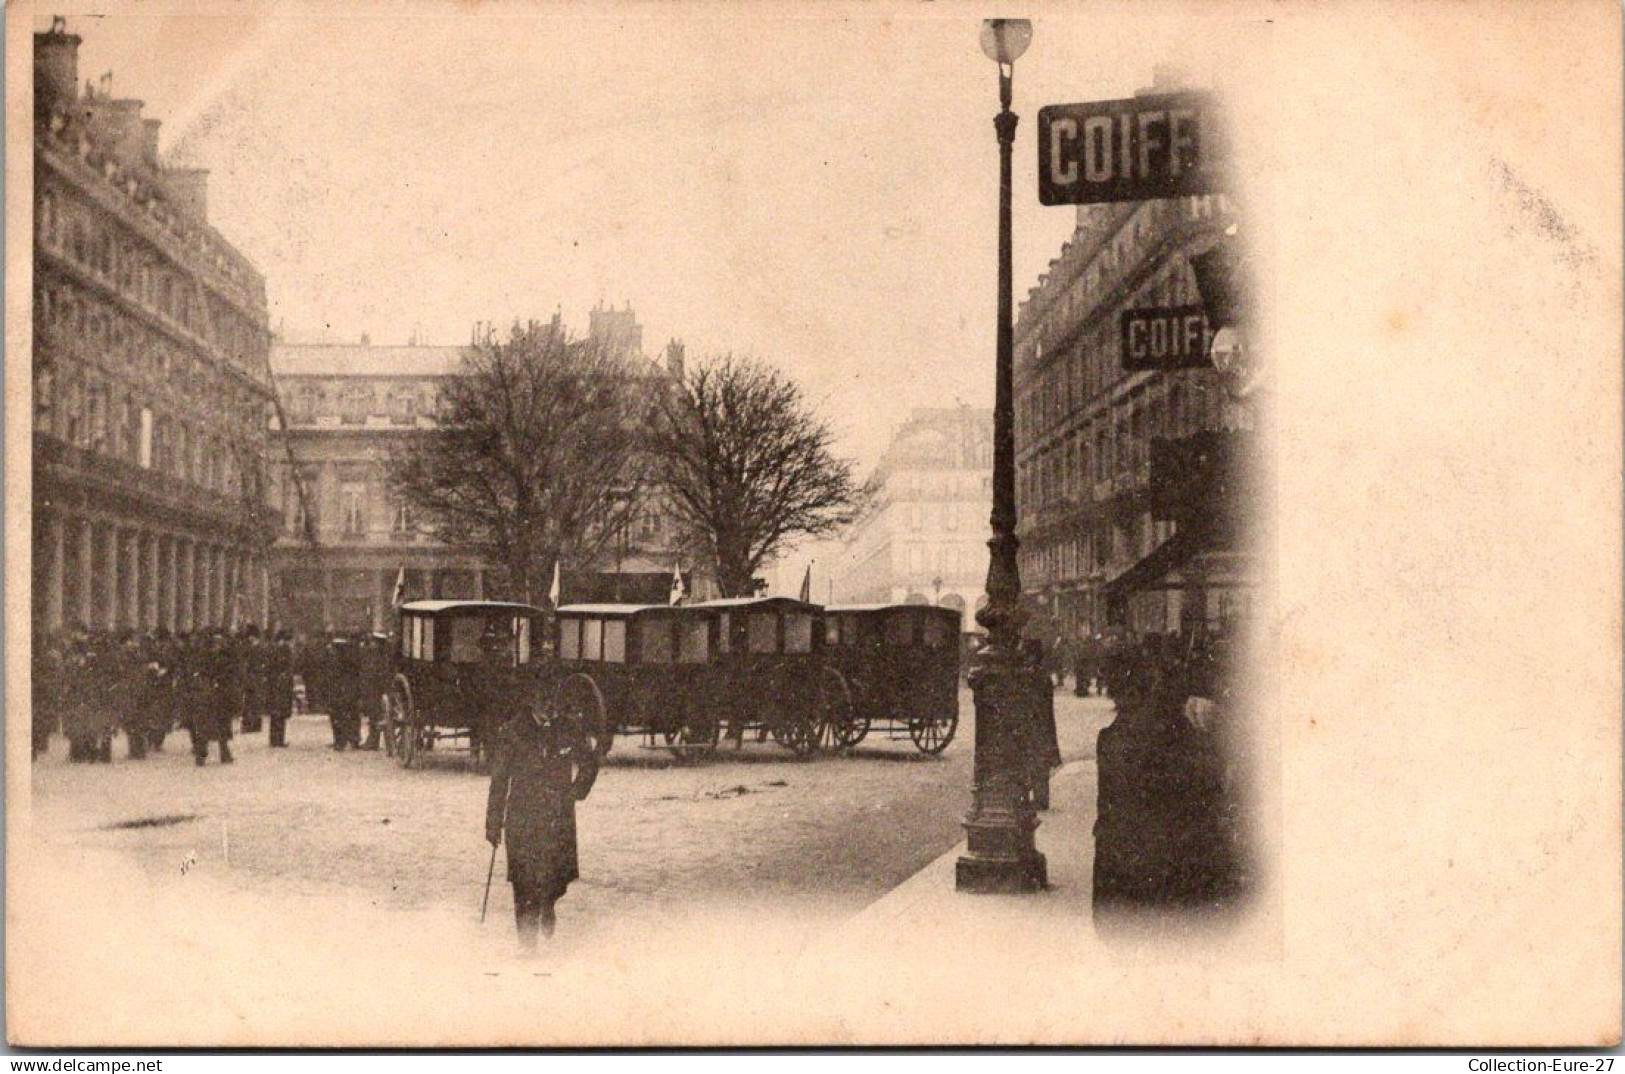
x=1099, y=543
x=151, y=387
x=927, y=541
x=1085, y=427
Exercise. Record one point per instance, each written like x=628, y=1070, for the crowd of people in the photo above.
x=93, y=686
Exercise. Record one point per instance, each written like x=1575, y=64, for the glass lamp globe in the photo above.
x=1004, y=40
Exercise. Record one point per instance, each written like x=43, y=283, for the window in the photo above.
x=798, y=633
x=693, y=641
x=592, y=639
x=144, y=444
x=304, y=404
x=936, y=631
x=615, y=641
x=405, y=408
x=465, y=640
x=654, y=640
x=724, y=637
x=521, y=633
x=763, y=630
x=569, y=639
x=402, y=521
x=428, y=639
x=356, y=403
x=352, y=508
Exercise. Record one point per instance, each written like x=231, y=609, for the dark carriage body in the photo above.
x=639, y=669
x=901, y=662
x=462, y=668
x=773, y=674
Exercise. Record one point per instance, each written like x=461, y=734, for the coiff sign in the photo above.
x=1157, y=146
x=1164, y=337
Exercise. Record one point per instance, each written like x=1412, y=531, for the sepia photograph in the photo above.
x=606, y=524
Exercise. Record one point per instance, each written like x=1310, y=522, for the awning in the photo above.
x=1161, y=561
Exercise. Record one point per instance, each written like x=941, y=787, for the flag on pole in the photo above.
x=678, y=590
x=806, y=585
x=554, y=589
x=400, y=588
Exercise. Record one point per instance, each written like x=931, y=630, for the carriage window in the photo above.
x=409, y=630
x=521, y=630
x=592, y=639
x=569, y=639
x=694, y=639
x=798, y=633
x=615, y=641
x=900, y=629
x=764, y=633
x=936, y=632
x=654, y=635
x=426, y=639
x=465, y=640
x=724, y=638
x=832, y=630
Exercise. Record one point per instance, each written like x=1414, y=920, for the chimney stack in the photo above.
x=56, y=64
x=674, y=359
x=189, y=190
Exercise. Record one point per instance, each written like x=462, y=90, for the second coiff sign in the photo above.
x=1156, y=146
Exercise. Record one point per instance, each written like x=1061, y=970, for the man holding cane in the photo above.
x=542, y=766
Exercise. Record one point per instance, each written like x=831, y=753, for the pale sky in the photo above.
x=814, y=185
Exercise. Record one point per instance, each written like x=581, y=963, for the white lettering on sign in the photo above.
x=1063, y=169
x=1170, y=338
x=1129, y=150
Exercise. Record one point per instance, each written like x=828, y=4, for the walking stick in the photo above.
x=491, y=869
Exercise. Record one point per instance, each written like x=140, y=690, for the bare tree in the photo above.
x=536, y=457
x=747, y=466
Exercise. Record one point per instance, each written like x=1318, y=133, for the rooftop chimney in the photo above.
x=189, y=190
x=56, y=64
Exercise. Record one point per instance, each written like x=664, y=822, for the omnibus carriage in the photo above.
x=462, y=668
x=901, y=662
x=639, y=669
x=775, y=680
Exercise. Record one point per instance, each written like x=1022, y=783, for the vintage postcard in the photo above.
x=747, y=523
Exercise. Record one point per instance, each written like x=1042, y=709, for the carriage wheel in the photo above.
x=798, y=732
x=579, y=700
x=933, y=733
x=403, y=723
x=839, y=725
x=697, y=736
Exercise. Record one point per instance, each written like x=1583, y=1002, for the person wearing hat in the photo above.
x=542, y=766
x=278, y=665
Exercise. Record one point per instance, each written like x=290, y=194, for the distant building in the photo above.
x=347, y=408
x=927, y=541
x=1084, y=427
x=151, y=388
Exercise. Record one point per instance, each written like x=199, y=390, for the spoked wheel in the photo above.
x=696, y=736
x=403, y=730
x=798, y=732
x=839, y=725
x=578, y=701
x=931, y=734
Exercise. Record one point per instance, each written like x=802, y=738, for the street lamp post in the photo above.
x=1000, y=855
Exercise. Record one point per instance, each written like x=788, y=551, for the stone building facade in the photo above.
x=1084, y=426
x=927, y=542
x=151, y=388
x=345, y=410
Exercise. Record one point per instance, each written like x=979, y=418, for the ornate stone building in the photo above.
x=346, y=409
x=151, y=388
x=927, y=543
x=1085, y=427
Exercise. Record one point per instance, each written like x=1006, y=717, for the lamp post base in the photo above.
x=1000, y=857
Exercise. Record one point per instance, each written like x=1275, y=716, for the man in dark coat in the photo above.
x=251, y=664
x=217, y=671
x=279, y=687
x=542, y=767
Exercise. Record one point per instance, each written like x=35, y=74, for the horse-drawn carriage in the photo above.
x=461, y=668
x=683, y=676
x=901, y=662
